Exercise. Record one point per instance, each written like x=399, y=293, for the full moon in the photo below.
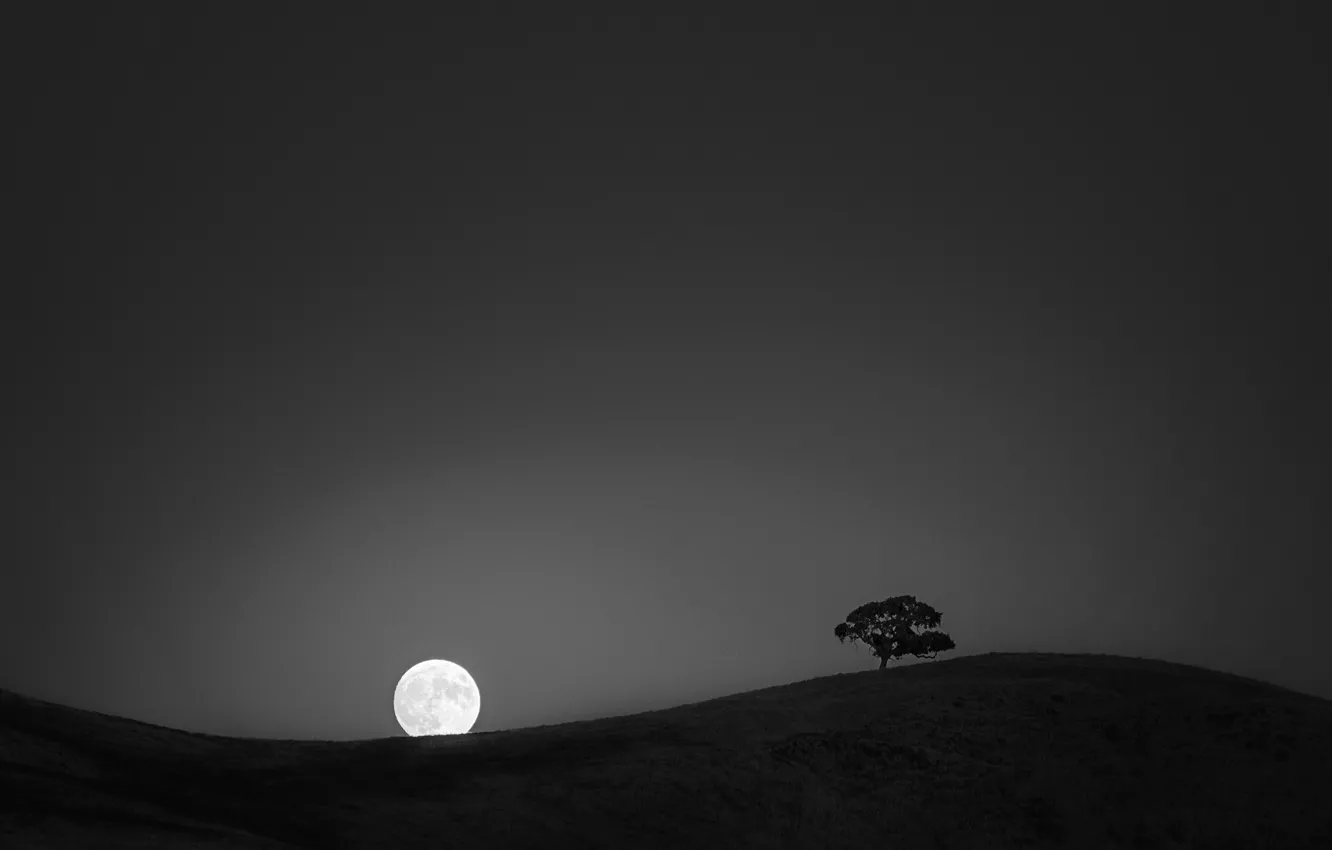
x=436, y=697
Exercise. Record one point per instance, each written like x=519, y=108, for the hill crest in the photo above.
x=1002, y=749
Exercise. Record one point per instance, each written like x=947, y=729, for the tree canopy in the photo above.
x=896, y=627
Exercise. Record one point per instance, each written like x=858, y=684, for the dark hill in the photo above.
x=1000, y=750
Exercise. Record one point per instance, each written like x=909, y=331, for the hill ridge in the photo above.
x=994, y=749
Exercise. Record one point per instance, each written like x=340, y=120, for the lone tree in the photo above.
x=890, y=629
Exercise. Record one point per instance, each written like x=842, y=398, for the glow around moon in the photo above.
x=436, y=697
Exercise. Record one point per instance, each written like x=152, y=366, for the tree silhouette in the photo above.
x=890, y=629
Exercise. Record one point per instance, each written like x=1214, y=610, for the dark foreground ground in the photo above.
x=1000, y=750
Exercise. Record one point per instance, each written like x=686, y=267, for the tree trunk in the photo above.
x=883, y=661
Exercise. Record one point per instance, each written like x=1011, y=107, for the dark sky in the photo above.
x=618, y=360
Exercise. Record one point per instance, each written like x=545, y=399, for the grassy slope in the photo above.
x=997, y=750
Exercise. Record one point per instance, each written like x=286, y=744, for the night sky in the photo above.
x=618, y=361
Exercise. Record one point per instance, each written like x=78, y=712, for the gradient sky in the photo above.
x=618, y=361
